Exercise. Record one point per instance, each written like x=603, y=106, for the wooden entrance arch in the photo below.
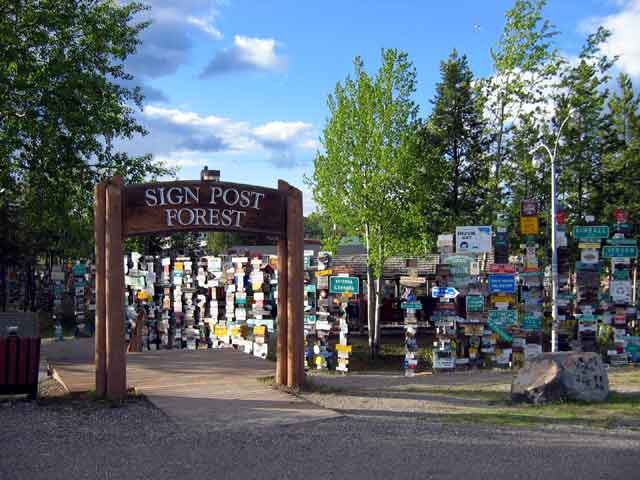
x=169, y=207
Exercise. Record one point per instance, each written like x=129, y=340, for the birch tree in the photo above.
x=362, y=180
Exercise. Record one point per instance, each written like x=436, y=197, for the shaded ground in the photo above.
x=200, y=388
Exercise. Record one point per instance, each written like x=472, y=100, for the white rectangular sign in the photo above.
x=473, y=239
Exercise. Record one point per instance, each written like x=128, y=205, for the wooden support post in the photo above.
x=114, y=299
x=282, y=357
x=100, y=333
x=295, y=289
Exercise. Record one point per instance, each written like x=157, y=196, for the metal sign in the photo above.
x=589, y=255
x=503, y=318
x=411, y=305
x=591, y=232
x=532, y=321
x=458, y=264
x=502, y=268
x=619, y=251
x=502, y=283
x=528, y=208
x=475, y=303
x=444, y=292
x=473, y=239
x=529, y=226
x=344, y=285
x=620, y=291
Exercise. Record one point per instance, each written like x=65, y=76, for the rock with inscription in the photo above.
x=551, y=377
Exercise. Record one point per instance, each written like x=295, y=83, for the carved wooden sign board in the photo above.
x=167, y=207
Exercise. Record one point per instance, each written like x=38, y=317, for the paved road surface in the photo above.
x=138, y=441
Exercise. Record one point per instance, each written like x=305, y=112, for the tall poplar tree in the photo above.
x=362, y=178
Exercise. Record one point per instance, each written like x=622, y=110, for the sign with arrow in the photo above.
x=444, y=292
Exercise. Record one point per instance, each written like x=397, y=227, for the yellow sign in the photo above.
x=220, y=331
x=324, y=273
x=240, y=331
x=259, y=330
x=343, y=348
x=178, y=266
x=503, y=299
x=529, y=226
x=589, y=245
x=142, y=295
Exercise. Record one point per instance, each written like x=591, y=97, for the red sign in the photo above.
x=621, y=216
x=502, y=268
x=561, y=218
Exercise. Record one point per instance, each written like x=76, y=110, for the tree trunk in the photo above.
x=370, y=295
x=378, y=295
x=371, y=305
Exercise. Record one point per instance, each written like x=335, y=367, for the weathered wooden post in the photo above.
x=100, y=333
x=283, y=261
x=295, y=289
x=114, y=304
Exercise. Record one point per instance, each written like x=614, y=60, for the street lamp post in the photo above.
x=554, y=249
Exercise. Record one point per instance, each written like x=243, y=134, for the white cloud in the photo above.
x=247, y=53
x=624, y=40
x=206, y=25
x=175, y=133
x=281, y=131
x=311, y=144
x=257, y=51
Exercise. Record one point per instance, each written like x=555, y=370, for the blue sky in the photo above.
x=241, y=85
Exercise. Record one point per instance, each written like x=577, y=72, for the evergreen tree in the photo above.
x=454, y=136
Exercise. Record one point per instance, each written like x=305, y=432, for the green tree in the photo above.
x=360, y=181
x=454, y=146
x=588, y=137
x=314, y=226
x=525, y=68
x=621, y=166
x=63, y=103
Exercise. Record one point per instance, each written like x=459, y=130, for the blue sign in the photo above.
x=444, y=292
x=502, y=283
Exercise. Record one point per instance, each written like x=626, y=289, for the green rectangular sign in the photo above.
x=622, y=241
x=503, y=317
x=619, y=251
x=344, y=285
x=532, y=321
x=591, y=232
x=412, y=305
x=475, y=303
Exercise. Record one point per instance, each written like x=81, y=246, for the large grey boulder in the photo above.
x=552, y=377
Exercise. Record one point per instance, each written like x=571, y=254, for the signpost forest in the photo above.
x=207, y=205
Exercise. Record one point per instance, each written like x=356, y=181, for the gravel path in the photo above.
x=66, y=440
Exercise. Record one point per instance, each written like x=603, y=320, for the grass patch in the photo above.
x=267, y=380
x=620, y=409
x=309, y=386
x=89, y=401
x=624, y=378
x=472, y=394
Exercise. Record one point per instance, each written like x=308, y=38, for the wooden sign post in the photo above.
x=209, y=205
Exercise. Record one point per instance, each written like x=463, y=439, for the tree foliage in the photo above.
x=63, y=104
x=361, y=179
